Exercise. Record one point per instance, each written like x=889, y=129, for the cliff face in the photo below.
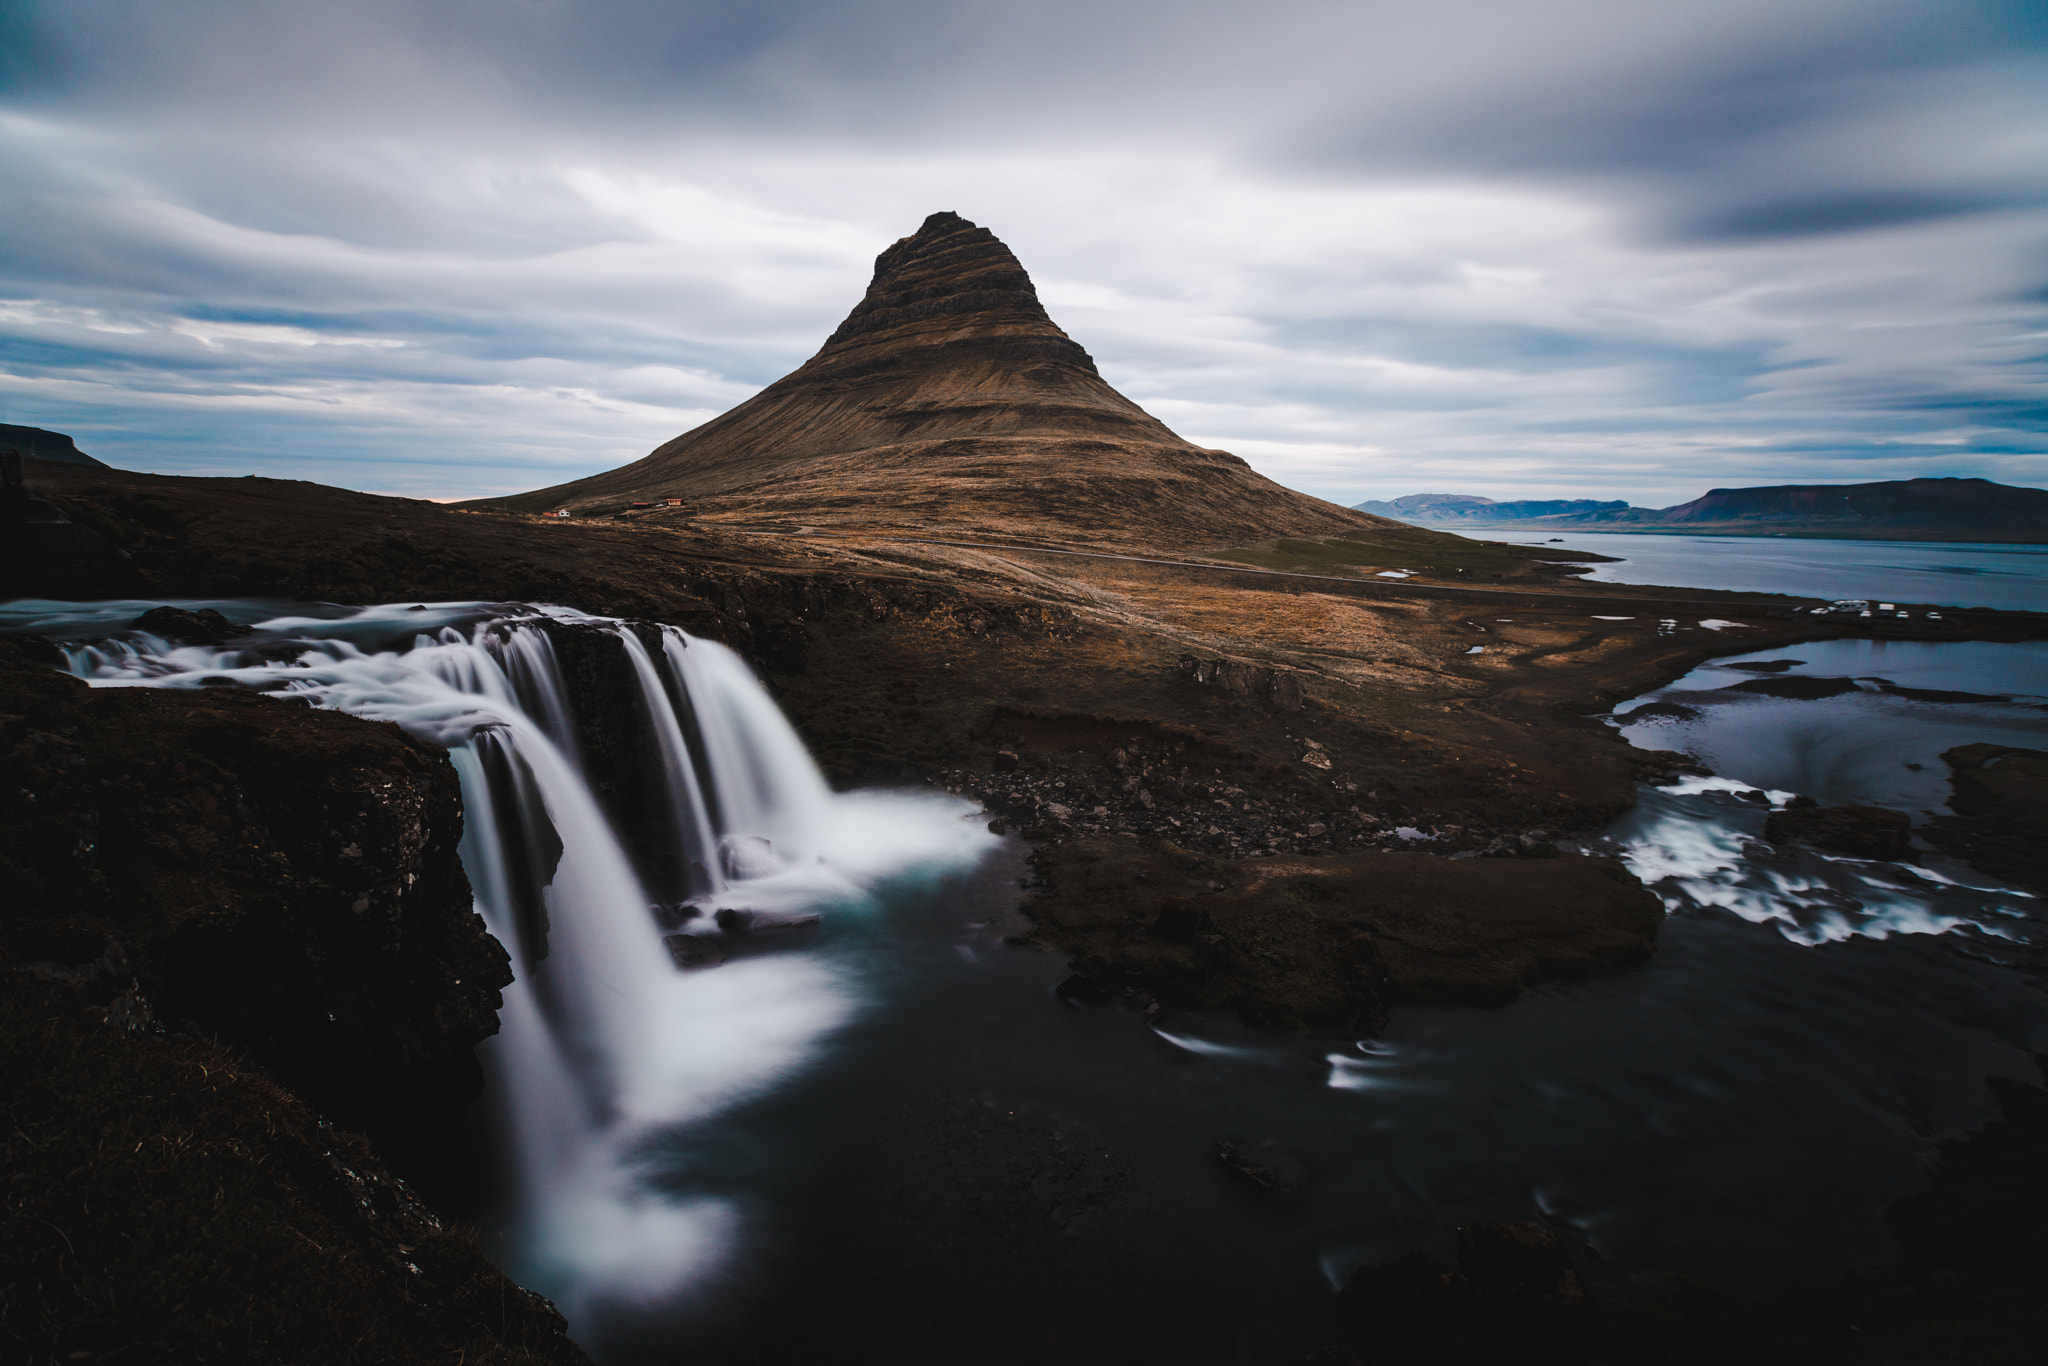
x=37, y=444
x=242, y=868
x=949, y=402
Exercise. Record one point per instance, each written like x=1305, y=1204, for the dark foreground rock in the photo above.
x=165, y=1202
x=1871, y=832
x=230, y=923
x=241, y=867
x=1330, y=943
x=1999, y=795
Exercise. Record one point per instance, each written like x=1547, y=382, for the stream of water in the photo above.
x=686, y=1144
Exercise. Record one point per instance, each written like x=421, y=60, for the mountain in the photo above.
x=1947, y=509
x=42, y=445
x=1459, y=507
x=948, y=402
x=1897, y=509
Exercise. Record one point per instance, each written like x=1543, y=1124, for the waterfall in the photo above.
x=608, y=1050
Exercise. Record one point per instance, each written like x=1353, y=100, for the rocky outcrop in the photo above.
x=1234, y=678
x=35, y=443
x=1871, y=832
x=1999, y=797
x=1330, y=943
x=163, y=1200
x=949, y=401
x=233, y=930
x=232, y=866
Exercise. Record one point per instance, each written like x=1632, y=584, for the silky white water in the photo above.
x=606, y=1048
x=1699, y=842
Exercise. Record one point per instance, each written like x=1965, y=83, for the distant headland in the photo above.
x=1897, y=509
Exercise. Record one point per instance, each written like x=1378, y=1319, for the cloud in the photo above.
x=1584, y=247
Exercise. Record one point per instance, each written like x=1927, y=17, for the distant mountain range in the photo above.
x=1898, y=509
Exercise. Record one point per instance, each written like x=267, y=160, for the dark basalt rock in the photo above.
x=1871, y=832
x=183, y=627
x=1999, y=795
x=1330, y=943
x=1795, y=686
x=1232, y=678
x=279, y=878
x=162, y=1191
x=692, y=951
x=1269, y=1166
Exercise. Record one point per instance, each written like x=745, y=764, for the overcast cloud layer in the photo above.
x=1577, y=248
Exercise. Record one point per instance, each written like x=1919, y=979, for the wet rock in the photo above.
x=1520, y=1272
x=203, y=627
x=693, y=951
x=1409, y=1297
x=734, y=921
x=1331, y=942
x=1869, y=832
x=1084, y=988
x=1768, y=666
x=1267, y=1165
x=1999, y=797
x=1795, y=686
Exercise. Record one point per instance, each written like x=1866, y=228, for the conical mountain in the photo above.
x=949, y=402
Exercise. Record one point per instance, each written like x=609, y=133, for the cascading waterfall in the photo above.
x=606, y=1048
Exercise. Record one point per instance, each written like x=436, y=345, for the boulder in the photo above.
x=1870, y=832
x=183, y=627
x=1330, y=943
x=692, y=951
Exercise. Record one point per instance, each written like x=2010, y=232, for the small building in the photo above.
x=643, y=505
x=673, y=502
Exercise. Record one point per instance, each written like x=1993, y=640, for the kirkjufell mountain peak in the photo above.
x=949, y=401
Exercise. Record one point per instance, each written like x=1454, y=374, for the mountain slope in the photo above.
x=948, y=402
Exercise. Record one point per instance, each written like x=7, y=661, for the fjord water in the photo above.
x=1952, y=574
x=888, y=1130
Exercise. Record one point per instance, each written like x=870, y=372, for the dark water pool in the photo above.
x=978, y=1162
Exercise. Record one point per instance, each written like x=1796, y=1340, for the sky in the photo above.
x=1514, y=248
